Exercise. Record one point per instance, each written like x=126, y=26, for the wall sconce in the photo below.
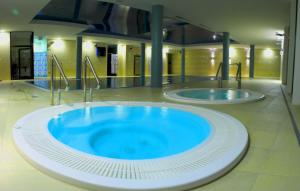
x=247, y=56
x=148, y=52
x=88, y=46
x=57, y=44
x=212, y=55
x=247, y=61
x=166, y=50
x=232, y=52
x=4, y=38
x=212, y=61
x=268, y=53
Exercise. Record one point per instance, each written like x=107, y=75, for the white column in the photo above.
x=284, y=64
x=291, y=52
x=296, y=80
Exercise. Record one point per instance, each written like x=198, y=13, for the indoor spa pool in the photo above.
x=131, y=145
x=213, y=95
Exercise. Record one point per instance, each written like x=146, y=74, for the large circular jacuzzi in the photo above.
x=213, y=95
x=131, y=145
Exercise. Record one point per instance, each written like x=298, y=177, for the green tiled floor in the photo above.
x=271, y=164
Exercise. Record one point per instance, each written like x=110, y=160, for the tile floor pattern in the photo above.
x=271, y=164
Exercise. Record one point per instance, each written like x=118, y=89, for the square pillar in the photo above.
x=225, y=65
x=251, y=64
x=157, y=46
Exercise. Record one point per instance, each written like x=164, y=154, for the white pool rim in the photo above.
x=173, y=95
x=209, y=160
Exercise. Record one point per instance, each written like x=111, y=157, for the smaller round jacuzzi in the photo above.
x=213, y=95
x=131, y=145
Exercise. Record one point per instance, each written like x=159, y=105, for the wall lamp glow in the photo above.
x=268, y=53
x=247, y=50
x=166, y=50
x=212, y=55
x=212, y=52
x=148, y=52
x=232, y=52
x=247, y=61
x=58, y=45
x=212, y=61
x=88, y=46
x=122, y=49
x=4, y=38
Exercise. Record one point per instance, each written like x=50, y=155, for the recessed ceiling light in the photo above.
x=15, y=12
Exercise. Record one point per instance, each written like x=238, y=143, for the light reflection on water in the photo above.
x=214, y=94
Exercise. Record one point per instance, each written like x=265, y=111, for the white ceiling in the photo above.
x=248, y=21
x=19, y=12
x=27, y=9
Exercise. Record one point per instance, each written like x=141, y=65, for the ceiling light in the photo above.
x=15, y=12
x=214, y=36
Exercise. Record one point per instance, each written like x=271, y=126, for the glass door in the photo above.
x=21, y=55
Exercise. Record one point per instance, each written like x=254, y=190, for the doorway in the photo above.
x=170, y=68
x=137, y=65
x=112, y=60
x=21, y=55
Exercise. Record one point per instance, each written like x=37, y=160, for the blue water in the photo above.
x=214, y=94
x=130, y=132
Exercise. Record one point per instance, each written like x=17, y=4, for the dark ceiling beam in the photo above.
x=77, y=9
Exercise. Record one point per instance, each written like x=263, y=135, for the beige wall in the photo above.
x=165, y=63
x=131, y=52
x=99, y=62
x=66, y=53
x=122, y=49
x=239, y=55
x=127, y=68
x=148, y=62
x=4, y=56
x=267, y=66
x=199, y=62
x=65, y=50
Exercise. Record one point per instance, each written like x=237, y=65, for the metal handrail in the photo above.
x=219, y=76
x=56, y=63
x=93, y=71
x=238, y=76
x=87, y=62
